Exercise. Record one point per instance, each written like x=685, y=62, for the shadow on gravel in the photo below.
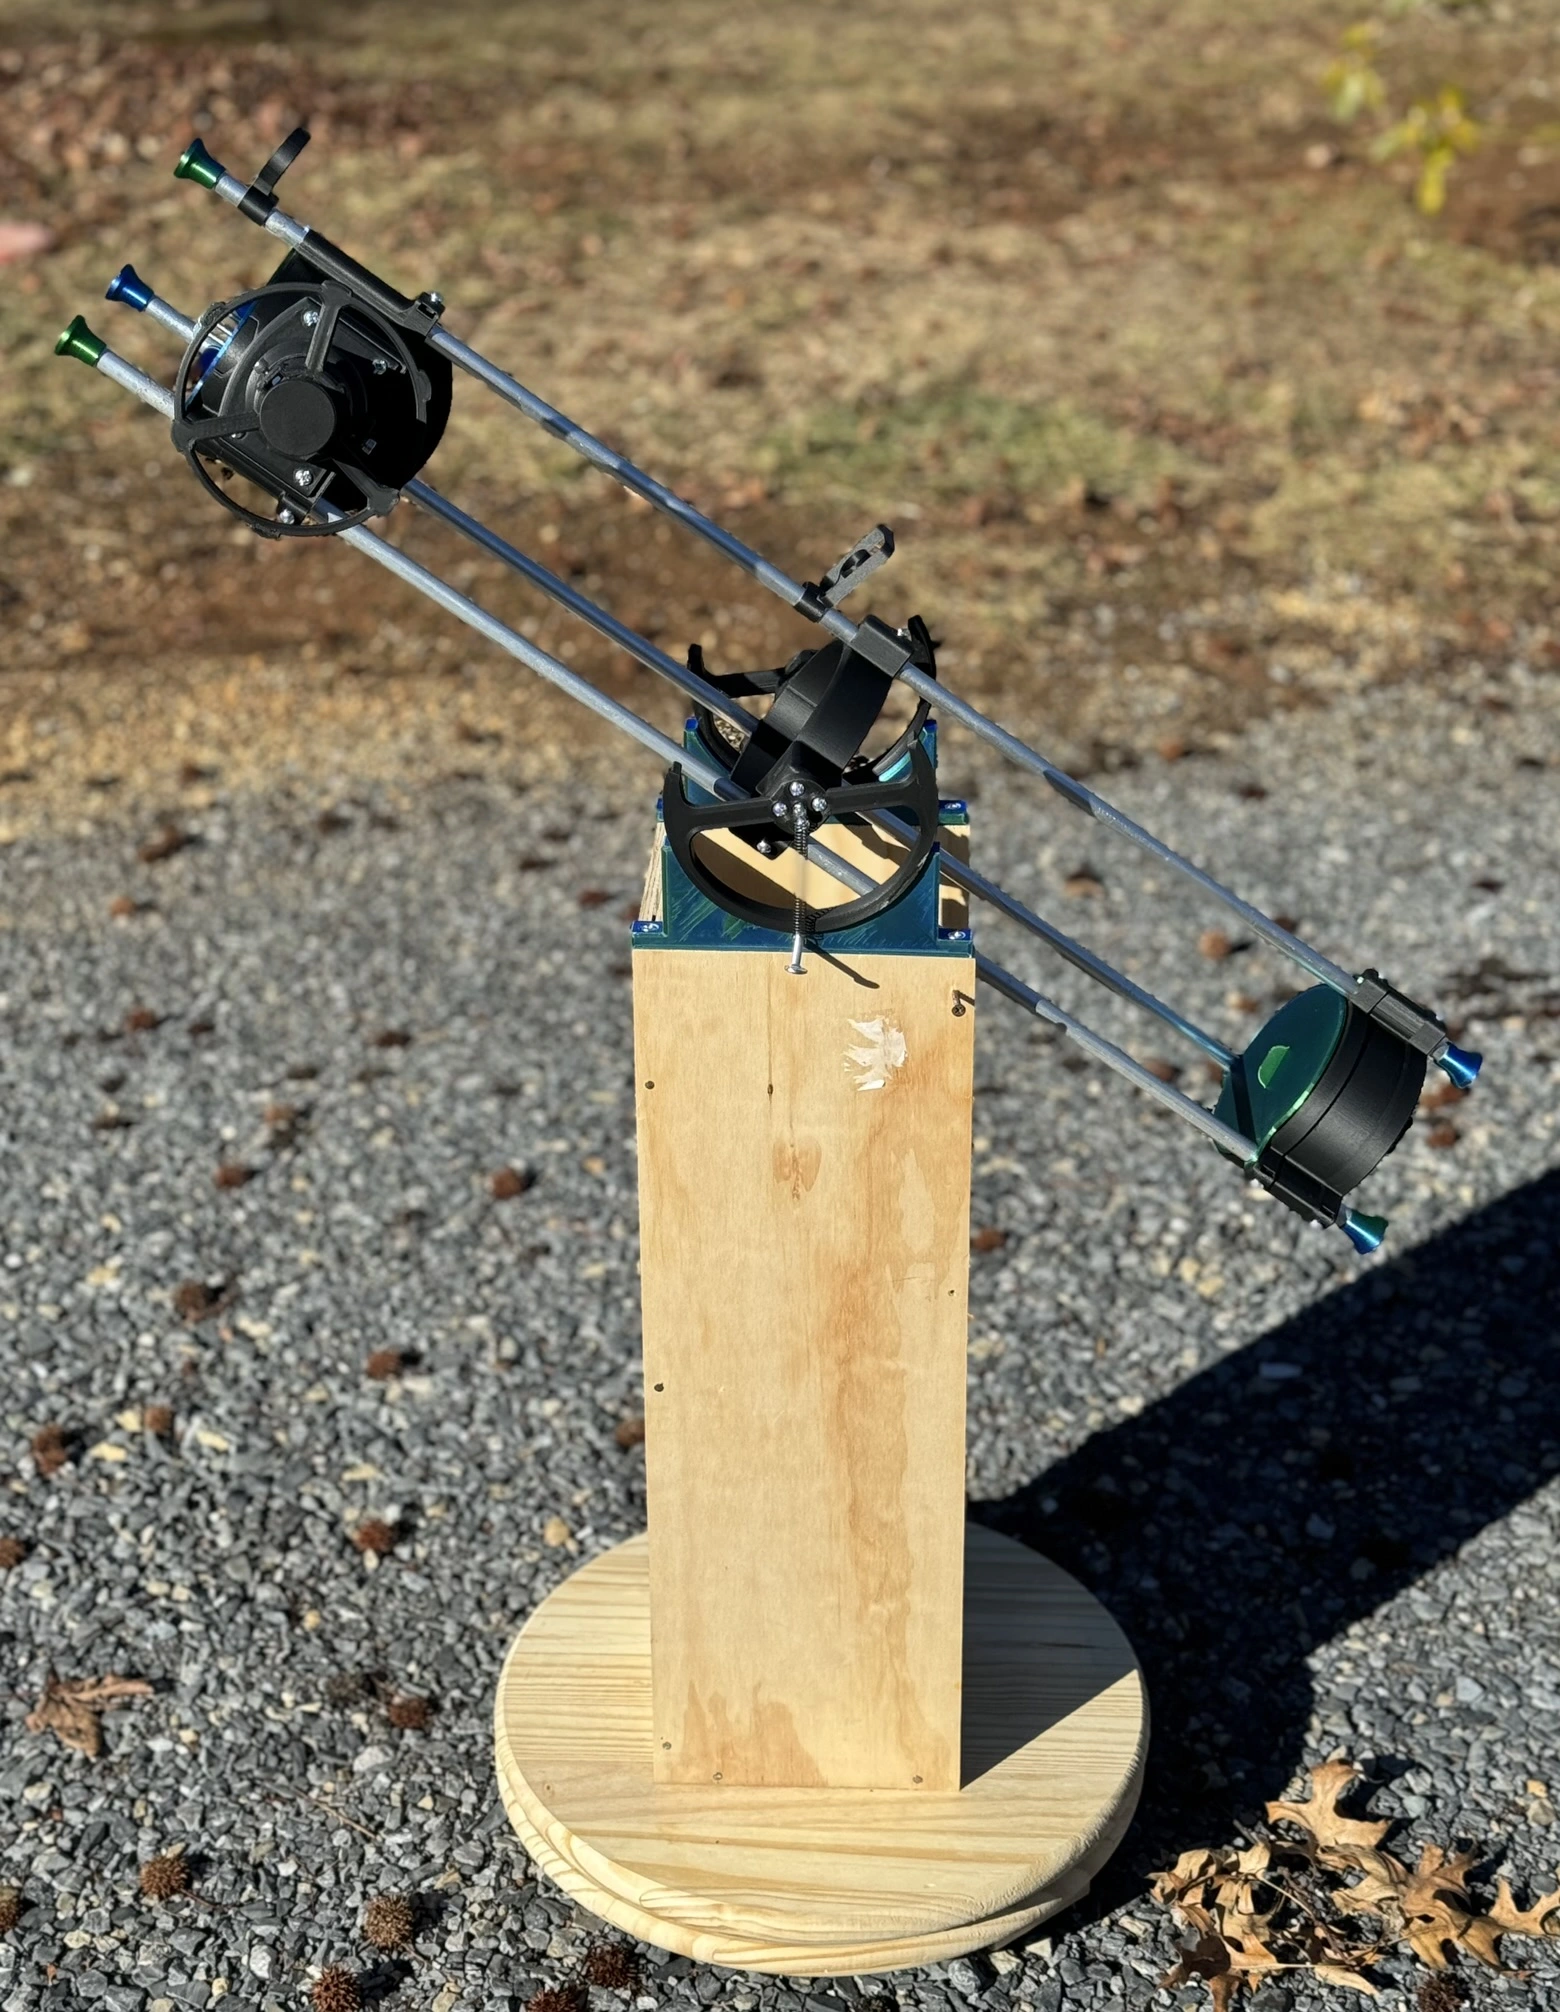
x=1276, y=1498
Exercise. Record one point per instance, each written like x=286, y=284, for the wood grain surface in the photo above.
x=804, y=1171
x=827, y=1881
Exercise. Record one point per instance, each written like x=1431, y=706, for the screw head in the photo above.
x=819, y=806
x=779, y=809
x=798, y=789
x=304, y=477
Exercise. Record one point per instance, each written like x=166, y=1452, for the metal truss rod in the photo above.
x=797, y=595
x=125, y=374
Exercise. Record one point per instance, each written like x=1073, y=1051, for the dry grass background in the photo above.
x=1179, y=408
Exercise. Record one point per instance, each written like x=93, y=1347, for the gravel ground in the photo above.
x=1319, y=1491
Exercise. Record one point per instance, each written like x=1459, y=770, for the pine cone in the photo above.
x=162, y=1878
x=336, y=1990
x=389, y=1921
x=563, y=1998
x=10, y=1908
x=411, y=1714
x=611, y=1966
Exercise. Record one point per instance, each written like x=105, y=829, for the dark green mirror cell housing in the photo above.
x=1324, y=1092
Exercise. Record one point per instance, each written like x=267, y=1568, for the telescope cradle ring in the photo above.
x=914, y=791
x=310, y=381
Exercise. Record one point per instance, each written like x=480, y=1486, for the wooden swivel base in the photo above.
x=817, y=1882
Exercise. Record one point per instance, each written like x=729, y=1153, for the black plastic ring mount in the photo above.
x=914, y=792
x=1362, y=1105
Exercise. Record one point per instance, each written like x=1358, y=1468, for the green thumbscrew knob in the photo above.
x=79, y=341
x=196, y=165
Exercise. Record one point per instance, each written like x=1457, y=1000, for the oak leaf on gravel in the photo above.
x=73, y=1708
x=1322, y=1817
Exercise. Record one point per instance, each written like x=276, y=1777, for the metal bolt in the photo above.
x=303, y=477
x=819, y=806
x=798, y=789
x=285, y=517
x=310, y=316
x=380, y=366
x=778, y=809
x=767, y=847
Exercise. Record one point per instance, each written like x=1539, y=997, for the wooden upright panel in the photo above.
x=804, y=1156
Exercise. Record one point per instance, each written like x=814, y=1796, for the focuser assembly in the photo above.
x=801, y=809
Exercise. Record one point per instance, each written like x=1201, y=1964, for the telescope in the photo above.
x=309, y=406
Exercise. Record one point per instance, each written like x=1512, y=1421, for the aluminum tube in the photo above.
x=128, y=378
x=1084, y=799
x=701, y=692
x=839, y=624
x=1222, y=1135
x=616, y=465
x=1081, y=956
x=704, y=693
x=689, y=683
x=278, y=223
x=836, y=622
x=159, y=310
x=146, y=388
x=510, y=640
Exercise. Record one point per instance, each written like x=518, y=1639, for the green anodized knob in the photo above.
x=196, y=165
x=79, y=341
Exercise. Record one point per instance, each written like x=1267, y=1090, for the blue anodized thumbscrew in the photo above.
x=128, y=286
x=1461, y=1066
x=1364, y=1232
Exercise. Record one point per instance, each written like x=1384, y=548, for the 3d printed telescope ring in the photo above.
x=307, y=391
x=1325, y=1091
x=914, y=791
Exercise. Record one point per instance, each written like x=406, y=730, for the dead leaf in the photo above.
x=72, y=1709
x=1321, y=1815
x=1535, y=1920
x=167, y=840
x=1351, y=1980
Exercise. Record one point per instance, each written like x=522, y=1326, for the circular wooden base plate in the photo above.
x=817, y=1882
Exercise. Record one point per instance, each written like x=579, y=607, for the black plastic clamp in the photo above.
x=259, y=199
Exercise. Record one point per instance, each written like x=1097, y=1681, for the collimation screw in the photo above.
x=79, y=341
x=819, y=806
x=778, y=808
